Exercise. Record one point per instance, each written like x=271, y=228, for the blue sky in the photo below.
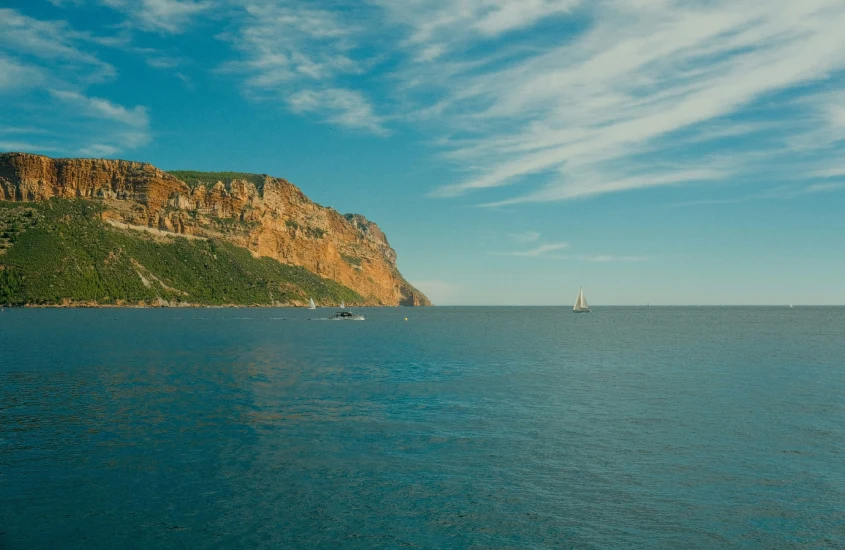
x=672, y=152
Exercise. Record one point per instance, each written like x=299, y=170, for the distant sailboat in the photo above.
x=311, y=304
x=581, y=305
x=342, y=304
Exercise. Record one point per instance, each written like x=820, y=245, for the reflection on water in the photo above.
x=516, y=427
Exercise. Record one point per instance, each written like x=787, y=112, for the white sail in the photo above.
x=311, y=304
x=580, y=302
x=342, y=304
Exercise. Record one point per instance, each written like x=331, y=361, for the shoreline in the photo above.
x=182, y=305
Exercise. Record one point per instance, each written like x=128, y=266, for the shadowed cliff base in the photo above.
x=274, y=244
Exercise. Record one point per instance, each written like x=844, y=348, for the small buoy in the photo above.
x=406, y=318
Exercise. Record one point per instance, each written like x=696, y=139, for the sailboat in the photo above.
x=581, y=305
x=311, y=304
x=342, y=305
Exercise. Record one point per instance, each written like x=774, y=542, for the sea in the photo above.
x=444, y=427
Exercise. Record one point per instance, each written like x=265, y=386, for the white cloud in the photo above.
x=21, y=130
x=55, y=63
x=437, y=28
x=53, y=45
x=597, y=183
x=24, y=139
x=14, y=75
x=98, y=150
x=824, y=187
x=830, y=172
x=103, y=108
x=555, y=99
x=291, y=42
x=158, y=58
x=548, y=251
x=343, y=107
x=109, y=127
x=25, y=147
x=542, y=251
x=167, y=16
x=785, y=192
x=299, y=55
x=608, y=259
x=644, y=78
x=525, y=236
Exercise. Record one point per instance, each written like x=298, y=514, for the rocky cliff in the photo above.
x=268, y=216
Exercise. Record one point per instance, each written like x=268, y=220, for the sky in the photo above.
x=651, y=151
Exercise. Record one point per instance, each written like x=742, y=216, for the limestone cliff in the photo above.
x=268, y=216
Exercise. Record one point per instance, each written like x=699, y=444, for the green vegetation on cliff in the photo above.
x=60, y=251
x=194, y=178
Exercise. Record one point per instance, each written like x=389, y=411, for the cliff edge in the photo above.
x=269, y=217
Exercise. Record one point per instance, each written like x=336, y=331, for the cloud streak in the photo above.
x=643, y=79
x=116, y=127
x=438, y=28
x=539, y=100
x=550, y=251
x=525, y=236
x=17, y=76
x=162, y=16
x=300, y=55
x=612, y=259
x=339, y=106
x=42, y=48
x=105, y=109
x=776, y=193
x=570, y=99
x=542, y=251
x=55, y=64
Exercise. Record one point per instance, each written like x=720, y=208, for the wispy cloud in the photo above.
x=135, y=117
x=775, y=193
x=344, y=107
x=595, y=183
x=525, y=236
x=7, y=130
x=550, y=251
x=822, y=188
x=56, y=64
x=159, y=59
x=544, y=100
x=46, y=46
x=609, y=259
x=25, y=146
x=437, y=28
x=643, y=79
x=826, y=173
x=15, y=75
x=164, y=16
x=542, y=251
x=110, y=128
x=299, y=54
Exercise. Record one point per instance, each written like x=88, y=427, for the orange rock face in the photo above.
x=274, y=219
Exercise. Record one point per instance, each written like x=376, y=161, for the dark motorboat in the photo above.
x=346, y=316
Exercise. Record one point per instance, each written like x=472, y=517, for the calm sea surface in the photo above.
x=485, y=427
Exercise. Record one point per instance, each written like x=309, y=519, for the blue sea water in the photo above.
x=460, y=427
